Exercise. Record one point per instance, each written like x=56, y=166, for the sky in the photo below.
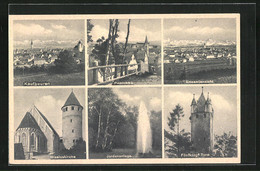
x=133, y=96
x=220, y=29
x=49, y=102
x=223, y=100
x=139, y=28
x=47, y=33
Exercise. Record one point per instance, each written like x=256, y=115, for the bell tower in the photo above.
x=202, y=124
x=71, y=121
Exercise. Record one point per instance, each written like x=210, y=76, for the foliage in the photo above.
x=78, y=150
x=99, y=51
x=30, y=70
x=89, y=29
x=225, y=145
x=156, y=126
x=177, y=142
x=105, y=118
x=65, y=63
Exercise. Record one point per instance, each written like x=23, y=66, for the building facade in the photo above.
x=202, y=124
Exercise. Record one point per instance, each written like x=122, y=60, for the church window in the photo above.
x=197, y=115
x=78, y=108
x=32, y=140
x=70, y=120
x=72, y=108
x=72, y=131
x=73, y=141
x=24, y=139
x=66, y=109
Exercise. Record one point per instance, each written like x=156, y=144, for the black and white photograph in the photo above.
x=124, y=51
x=48, y=52
x=200, y=50
x=124, y=123
x=49, y=124
x=200, y=122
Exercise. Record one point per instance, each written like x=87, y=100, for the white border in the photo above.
x=120, y=161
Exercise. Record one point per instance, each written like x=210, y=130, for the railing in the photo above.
x=106, y=74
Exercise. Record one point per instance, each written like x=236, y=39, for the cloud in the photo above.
x=136, y=34
x=98, y=31
x=155, y=104
x=58, y=27
x=50, y=107
x=31, y=29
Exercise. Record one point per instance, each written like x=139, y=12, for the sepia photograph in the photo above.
x=124, y=51
x=48, y=52
x=200, y=122
x=49, y=124
x=124, y=123
x=200, y=50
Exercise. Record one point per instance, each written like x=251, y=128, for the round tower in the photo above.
x=71, y=121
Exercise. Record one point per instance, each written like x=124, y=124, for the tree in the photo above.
x=178, y=142
x=225, y=145
x=89, y=29
x=105, y=118
x=65, y=63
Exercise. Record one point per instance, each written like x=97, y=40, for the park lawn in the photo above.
x=54, y=79
x=120, y=153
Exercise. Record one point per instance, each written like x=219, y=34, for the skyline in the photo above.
x=47, y=33
x=219, y=29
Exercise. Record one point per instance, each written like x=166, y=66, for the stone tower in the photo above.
x=71, y=121
x=146, y=45
x=202, y=124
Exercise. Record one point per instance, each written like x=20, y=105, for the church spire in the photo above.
x=146, y=40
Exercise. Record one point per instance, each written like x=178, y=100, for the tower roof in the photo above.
x=28, y=122
x=72, y=100
x=193, y=100
x=201, y=102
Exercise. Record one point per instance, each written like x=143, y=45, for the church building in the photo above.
x=201, y=119
x=37, y=136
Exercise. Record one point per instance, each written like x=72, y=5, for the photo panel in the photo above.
x=48, y=52
x=124, y=123
x=200, y=50
x=201, y=122
x=124, y=51
x=49, y=124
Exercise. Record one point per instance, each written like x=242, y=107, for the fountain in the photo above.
x=144, y=133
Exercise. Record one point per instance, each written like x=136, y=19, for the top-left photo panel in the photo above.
x=47, y=52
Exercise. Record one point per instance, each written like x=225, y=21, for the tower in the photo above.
x=146, y=45
x=31, y=44
x=202, y=124
x=71, y=121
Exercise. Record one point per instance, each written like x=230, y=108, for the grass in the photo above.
x=120, y=153
x=55, y=79
x=217, y=76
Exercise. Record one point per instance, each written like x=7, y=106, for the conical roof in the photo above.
x=29, y=122
x=72, y=100
x=201, y=102
x=193, y=100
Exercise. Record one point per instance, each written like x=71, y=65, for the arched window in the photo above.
x=32, y=140
x=72, y=107
x=24, y=139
